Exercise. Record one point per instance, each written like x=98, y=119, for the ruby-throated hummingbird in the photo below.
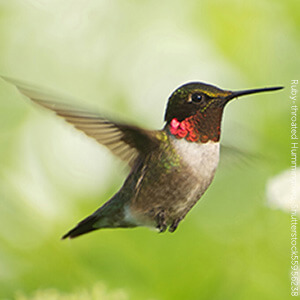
x=171, y=168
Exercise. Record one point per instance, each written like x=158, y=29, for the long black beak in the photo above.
x=252, y=91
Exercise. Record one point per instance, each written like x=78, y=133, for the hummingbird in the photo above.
x=170, y=169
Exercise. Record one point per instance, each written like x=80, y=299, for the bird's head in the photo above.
x=195, y=109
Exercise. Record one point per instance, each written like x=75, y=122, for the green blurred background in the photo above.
x=125, y=58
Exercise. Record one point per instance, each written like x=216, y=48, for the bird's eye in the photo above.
x=196, y=97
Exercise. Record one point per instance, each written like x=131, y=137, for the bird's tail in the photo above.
x=85, y=226
x=110, y=215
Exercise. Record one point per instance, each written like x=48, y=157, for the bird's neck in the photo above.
x=201, y=127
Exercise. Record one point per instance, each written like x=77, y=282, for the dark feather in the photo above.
x=83, y=227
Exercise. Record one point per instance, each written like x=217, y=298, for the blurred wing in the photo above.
x=125, y=141
x=232, y=156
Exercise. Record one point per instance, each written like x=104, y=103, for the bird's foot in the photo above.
x=174, y=225
x=161, y=221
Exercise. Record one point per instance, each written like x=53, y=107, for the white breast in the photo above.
x=202, y=159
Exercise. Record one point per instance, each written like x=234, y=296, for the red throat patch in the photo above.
x=197, y=128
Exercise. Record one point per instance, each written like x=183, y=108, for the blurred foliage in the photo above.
x=96, y=293
x=125, y=58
